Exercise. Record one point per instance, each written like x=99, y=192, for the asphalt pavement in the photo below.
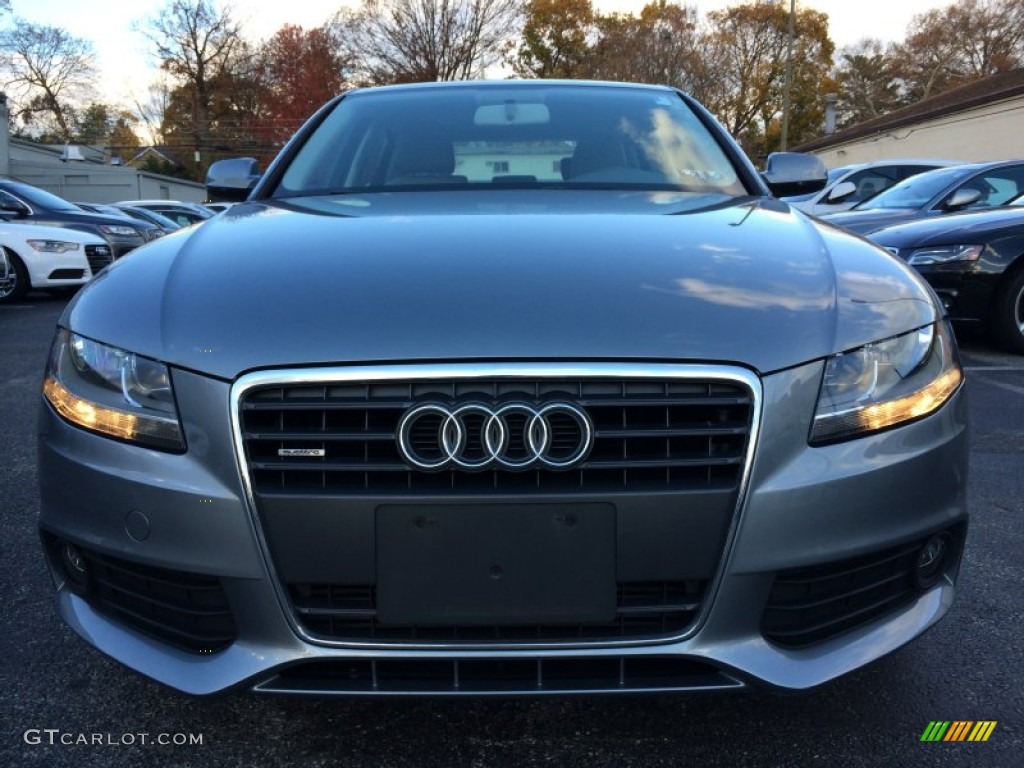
x=66, y=704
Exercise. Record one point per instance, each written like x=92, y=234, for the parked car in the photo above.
x=975, y=263
x=182, y=213
x=34, y=256
x=852, y=184
x=551, y=395
x=32, y=205
x=936, y=193
x=161, y=224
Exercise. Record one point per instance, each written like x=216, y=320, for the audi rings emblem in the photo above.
x=512, y=436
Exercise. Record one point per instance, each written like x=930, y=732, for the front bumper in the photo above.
x=803, y=507
x=965, y=290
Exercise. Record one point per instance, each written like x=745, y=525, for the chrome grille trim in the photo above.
x=429, y=371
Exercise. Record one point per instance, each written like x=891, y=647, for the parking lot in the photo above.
x=65, y=704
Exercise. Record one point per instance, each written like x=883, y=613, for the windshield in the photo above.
x=915, y=191
x=42, y=199
x=500, y=136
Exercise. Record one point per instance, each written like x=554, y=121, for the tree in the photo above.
x=554, y=38
x=122, y=141
x=298, y=71
x=747, y=58
x=151, y=111
x=664, y=45
x=867, y=77
x=48, y=69
x=200, y=48
x=395, y=41
x=960, y=43
x=94, y=123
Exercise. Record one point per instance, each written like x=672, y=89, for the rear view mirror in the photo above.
x=512, y=113
x=841, y=191
x=793, y=173
x=232, y=180
x=14, y=208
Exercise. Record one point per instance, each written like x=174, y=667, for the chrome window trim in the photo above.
x=399, y=372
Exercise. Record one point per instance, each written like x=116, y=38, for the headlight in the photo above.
x=943, y=254
x=885, y=384
x=116, y=393
x=116, y=229
x=52, y=246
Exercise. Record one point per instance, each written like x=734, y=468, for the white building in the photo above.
x=976, y=122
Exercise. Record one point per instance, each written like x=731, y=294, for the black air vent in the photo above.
x=645, y=609
x=813, y=604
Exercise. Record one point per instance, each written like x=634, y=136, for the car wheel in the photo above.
x=1008, y=319
x=13, y=278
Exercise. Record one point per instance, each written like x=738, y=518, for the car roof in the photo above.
x=470, y=84
x=185, y=203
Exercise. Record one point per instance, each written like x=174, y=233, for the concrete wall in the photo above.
x=90, y=182
x=992, y=132
x=101, y=184
x=87, y=182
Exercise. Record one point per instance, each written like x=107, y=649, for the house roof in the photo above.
x=998, y=87
x=163, y=153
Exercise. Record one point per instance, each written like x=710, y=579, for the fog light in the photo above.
x=75, y=567
x=931, y=561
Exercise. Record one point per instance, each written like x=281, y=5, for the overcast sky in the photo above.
x=127, y=69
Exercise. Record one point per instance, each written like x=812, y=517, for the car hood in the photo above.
x=967, y=228
x=863, y=222
x=263, y=286
x=28, y=231
x=88, y=217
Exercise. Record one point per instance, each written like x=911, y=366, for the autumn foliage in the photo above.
x=222, y=94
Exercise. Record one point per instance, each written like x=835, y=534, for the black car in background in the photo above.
x=975, y=263
x=162, y=225
x=936, y=193
x=23, y=202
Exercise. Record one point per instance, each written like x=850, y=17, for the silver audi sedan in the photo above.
x=505, y=388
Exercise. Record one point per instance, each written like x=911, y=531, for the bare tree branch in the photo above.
x=48, y=69
x=426, y=40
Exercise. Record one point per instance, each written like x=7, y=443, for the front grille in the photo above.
x=98, y=257
x=645, y=609
x=649, y=434
x=621, y=674
x=813, y=604
x=187, y=610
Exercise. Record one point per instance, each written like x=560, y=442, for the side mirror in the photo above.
x=15, y=208
x=841, y=191
x=232, y=180
x=962, y=198
x=793, y=173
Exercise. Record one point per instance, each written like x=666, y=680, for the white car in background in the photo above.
x=849, y=185
x=35, y=256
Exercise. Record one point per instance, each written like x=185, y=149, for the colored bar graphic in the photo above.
x=935, y=731
x=982, y=730
x=959, y=730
